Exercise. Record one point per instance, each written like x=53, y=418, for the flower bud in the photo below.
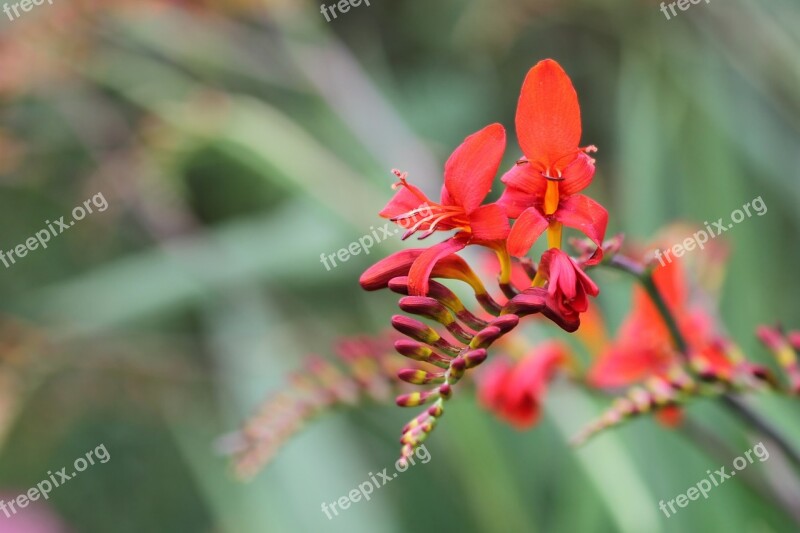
x=413, y=399
x=443, y=295
x=430, y=308
x=420, y=352
x=420, y=377
x=422, y=333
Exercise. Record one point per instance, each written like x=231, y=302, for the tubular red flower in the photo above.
x=468, y=176
x=568, y=286
x=515, y=392
x=643, y=346
x=541, y=189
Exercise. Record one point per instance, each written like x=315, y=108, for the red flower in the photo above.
x=515, y=392
x=644, y=346
x=542, y=188
x=568, y=286
x=468, y=176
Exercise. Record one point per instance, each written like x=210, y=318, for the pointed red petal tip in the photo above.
x=528, y=227
x=548, y=117
x=587, y=216
x=403, y=201
x=470, y=170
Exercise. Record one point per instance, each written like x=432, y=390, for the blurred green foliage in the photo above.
x=236, y=143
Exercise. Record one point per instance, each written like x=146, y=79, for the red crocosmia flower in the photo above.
x=568, y=286
x=644, y=346
x=515, y=391
x=468, y=176
x=541, y=190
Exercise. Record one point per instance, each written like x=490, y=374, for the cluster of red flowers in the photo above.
x=541, y=195
x=669, y=349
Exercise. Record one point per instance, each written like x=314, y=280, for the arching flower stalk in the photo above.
x=674, y=354
x=461, y=344
x=667, y=352
x=541, y=194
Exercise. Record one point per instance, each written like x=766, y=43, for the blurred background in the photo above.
x=237, y=141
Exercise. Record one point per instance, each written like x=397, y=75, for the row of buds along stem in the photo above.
x=367, y=370
x=679, y=386
x=461, y=346
x=785, y=348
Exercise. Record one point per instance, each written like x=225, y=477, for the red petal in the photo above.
x=528, y=227
x=557, y=267
x=402, y=202
x=528, y=383
x=469, y=172
x=491, y=383
x=399, y=264
x=420, y=273
x=577, y=176
x=670, y=280
x=585, y=215
x=548, y=116
x=624, y=364
x=514, y=201
x=527, y=178
x=489, y=223
x=719, y=362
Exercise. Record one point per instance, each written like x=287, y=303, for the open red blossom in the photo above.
x=643, y=346
x=568, y=286
x=515, y=391
x=468, y=176
x=541, y=189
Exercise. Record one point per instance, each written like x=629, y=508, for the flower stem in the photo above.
x=734, y=404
